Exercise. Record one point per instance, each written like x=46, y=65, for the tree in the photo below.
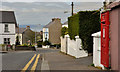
x=17, y=40
x=64, y=31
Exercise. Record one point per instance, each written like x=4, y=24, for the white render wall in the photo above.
x=11, y=28
x=10, y=34
x=65, y=26
x=97, y=50
x=63, y=44
x=73, y=47
x=12, y=39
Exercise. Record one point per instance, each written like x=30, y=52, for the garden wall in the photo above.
x=73, y=47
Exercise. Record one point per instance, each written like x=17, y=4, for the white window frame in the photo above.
x=7, y=41
x=6, y=28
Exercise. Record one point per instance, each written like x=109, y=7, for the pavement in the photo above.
x=43, y=60
x=3, y=51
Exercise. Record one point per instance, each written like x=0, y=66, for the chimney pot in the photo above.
x=58, y=19
x=27, y=27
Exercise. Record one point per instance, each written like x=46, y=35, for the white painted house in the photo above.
x=45, y=34
x=7, y=27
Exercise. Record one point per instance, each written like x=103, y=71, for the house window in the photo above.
x=6, y=40
x=6, y=28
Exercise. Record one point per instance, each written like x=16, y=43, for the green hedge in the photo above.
x=73, y=26
x=84, y=24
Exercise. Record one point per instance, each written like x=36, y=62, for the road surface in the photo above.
x=43, y=60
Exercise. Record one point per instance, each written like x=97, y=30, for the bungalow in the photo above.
x=52, y=31
x=7, y=27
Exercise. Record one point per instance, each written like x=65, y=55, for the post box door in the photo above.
x=105, y=39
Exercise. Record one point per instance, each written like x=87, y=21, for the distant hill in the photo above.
x=33, y=27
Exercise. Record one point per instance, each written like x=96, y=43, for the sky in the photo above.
x=38, y=14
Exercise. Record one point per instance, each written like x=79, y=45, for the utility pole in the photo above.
x=35, y=37
x=72, y=8
x=18, y=29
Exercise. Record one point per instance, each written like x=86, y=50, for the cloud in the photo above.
x=52, y=0
x=42, y=12
x=6, y=8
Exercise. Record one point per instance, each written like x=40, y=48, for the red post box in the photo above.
x=105, y=38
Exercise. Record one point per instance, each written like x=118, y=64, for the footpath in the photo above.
x=59, y=61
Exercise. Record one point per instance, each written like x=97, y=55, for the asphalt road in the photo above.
x=43, y=60
x=24, y=60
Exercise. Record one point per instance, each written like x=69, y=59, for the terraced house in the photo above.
x=7, y=27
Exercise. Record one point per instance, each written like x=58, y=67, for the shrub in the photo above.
x=2, y=45
x=46, y=43
x=39, y=43
x=64, y=31
x=89, y=23
x=24, y=45
x=17, y=40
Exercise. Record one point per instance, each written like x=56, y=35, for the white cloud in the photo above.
x=19, y=0
x=52, y=0
x=42, y=12
x=6, y=8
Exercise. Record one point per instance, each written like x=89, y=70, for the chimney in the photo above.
x=27, y=27
x=53, y=19
x=56, y=19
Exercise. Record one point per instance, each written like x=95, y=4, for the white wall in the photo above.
x=74, y=47
x=63, y=44
x=97, y=50
x=12, y=39
x=1, y=39
x=11, y=28
x=10, y=34
x=65, y=26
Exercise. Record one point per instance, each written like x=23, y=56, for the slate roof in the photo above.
x=54, y=20
x=20, y=30
x=7, y=17
x=48, y=25
x=66, y=23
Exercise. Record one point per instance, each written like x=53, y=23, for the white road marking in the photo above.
x=45, y=66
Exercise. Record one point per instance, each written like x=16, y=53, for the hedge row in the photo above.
x=73, y=26
x=84, y=24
